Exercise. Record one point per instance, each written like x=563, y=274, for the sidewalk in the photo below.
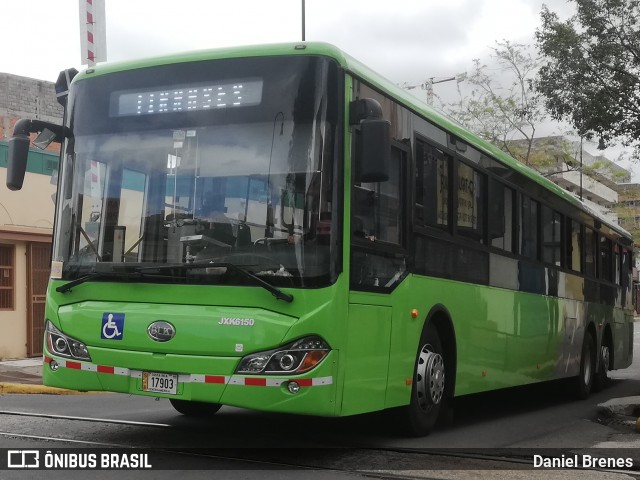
x=25, y=376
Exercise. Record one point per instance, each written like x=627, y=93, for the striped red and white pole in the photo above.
x=90, y=53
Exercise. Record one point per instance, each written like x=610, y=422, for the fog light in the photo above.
x=53, y=365
x=293, y=387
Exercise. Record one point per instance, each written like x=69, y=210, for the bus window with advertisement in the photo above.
x=279, y=228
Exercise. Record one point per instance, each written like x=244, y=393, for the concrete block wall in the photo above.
x=23, y=97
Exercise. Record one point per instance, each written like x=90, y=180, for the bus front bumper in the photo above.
x=199, y=378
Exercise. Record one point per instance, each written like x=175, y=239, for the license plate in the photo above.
x=160, y=382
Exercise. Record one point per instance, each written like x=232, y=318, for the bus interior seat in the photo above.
x=222, y=232
x=244, y=235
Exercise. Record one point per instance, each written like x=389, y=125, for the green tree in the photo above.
x=503, y=106
x=591, y=67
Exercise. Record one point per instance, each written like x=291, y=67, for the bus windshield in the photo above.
x=228, y=161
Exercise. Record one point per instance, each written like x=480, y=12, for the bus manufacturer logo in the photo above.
x=246, y=322
x=161, y=331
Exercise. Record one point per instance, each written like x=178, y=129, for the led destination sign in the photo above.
x=184, y=98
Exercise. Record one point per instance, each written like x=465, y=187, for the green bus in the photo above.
x=279, y=228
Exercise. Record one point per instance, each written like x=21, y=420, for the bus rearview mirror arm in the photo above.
x=374, y=154
x=19, y=147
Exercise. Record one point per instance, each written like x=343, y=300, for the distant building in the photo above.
x=629, y=198
x=26, y=219
x=629, y=218
x=593, y=178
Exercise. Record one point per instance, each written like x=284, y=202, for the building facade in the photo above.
x=592, y=178
x=26, y=219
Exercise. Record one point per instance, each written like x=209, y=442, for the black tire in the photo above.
x=429, y=390
x=195, y=409
x=601, y=380
x=583, y=383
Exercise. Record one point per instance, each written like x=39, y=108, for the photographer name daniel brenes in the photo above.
x=581, y=461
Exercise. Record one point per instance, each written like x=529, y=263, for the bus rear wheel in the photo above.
x=583, y=383
x=195, y=409
x=601, y=380
x=428, y=393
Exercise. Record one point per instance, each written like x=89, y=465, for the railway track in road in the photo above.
x=190, y=449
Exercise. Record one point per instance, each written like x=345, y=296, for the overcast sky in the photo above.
x=408, y=41
x=405, y=40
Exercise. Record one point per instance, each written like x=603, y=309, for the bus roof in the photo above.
x=370, y=76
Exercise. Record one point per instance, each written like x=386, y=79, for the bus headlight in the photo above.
x=294, y=358
x=60, y=344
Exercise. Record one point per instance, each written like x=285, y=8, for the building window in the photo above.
x=7, y=277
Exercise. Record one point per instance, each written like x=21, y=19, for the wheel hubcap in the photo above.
x=604, y=353
x=587, y=367
x=430, y=378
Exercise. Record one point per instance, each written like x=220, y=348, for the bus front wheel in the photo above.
x=195, y=409
x=428, y=389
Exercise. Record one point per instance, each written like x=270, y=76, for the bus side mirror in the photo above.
x=19, y=147
x=376, y=150
x=374, y=143
x=17, y=161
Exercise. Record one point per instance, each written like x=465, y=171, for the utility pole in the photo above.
x=303, y=21
x=428, y=84
x=581, y=166
x=431, y=83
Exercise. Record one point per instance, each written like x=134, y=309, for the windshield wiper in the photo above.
x=93, y=275
x=276, y=292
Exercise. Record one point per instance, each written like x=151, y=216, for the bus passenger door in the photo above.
x=368, y=335
x=378, y=264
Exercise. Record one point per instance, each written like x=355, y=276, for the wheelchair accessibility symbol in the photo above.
x=112, y=326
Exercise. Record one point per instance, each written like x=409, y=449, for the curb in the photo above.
x=23, y=388
x=621, y=412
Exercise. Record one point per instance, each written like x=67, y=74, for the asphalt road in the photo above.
x=492, y=431
x=542, y=416
x=501, y=428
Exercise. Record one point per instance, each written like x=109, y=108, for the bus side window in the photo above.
x=573, y=246
x=378, y=261
x=501, y=212
x=551, y=228
x=590, y=249
x=606, y=256
x=433, y=195
x=471, y=209
x=529, y=228
x=376, y=205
